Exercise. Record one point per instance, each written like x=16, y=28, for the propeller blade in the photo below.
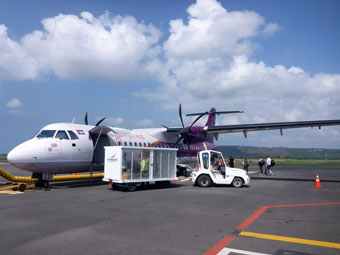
x=86, y=122
x=100, y=122
x=179, y=139
x=180, y=115
x=198, y=119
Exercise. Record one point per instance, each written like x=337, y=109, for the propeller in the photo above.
x=97, y=124
x=186, y=132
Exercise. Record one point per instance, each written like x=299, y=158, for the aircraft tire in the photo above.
x=45, y=184
x=204, y=181
x=237, y=182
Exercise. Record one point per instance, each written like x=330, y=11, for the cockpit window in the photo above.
x=62, y=135
x=46, y=133
x=73, y=135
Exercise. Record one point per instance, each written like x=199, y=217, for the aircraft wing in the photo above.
x=269, y=126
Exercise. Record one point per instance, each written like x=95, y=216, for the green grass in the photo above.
x=298, y=162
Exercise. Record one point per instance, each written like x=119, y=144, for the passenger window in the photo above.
x=140, y=145
x=125, y=143
x=46, y=133
x=72, y=135
x=135, y=144
x=62, y=135
x=130, y=143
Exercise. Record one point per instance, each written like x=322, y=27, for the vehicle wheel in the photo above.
x=204, y=181
x=132, y=187
x=114, y=186
x=15, y=188
x=22, y=187
x=237, y=182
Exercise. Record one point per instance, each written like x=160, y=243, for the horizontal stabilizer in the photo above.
x=206, y=113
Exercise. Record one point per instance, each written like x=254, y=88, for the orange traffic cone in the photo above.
x=74, y=173
x=317, y=182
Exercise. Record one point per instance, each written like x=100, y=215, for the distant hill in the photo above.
x=279, y=152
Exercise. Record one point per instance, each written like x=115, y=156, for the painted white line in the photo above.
x=227, y=251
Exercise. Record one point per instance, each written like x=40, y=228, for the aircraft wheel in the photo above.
x=45, y=184
x=237, y=182
x=204, y=181
x=22, y=187
x=131, y=187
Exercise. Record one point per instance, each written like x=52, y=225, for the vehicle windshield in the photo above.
x=46, y=133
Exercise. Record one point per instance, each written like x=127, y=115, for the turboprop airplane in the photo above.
x=70, y=148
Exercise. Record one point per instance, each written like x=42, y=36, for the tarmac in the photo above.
x=282, y=214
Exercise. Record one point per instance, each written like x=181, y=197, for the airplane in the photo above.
x=71, y=148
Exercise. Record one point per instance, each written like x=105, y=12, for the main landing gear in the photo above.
x=40, y=183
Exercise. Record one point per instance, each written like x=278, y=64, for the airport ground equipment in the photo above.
x=212, y=169
x=133, y=166
x=22, y=180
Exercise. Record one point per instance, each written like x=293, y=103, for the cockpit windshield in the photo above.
x=46, y=133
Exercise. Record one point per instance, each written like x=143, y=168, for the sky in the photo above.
x=134, y=62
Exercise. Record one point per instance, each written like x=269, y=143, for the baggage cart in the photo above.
x=133, y=166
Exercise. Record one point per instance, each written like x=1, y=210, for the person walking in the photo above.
x=268, y=166
x=231, y=161
x=245, y=164
x=261, y=164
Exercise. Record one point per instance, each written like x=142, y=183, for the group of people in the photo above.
x=268, y=162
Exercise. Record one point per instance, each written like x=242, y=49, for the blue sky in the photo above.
x=135, y=61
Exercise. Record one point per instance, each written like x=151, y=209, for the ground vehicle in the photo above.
x=211, y=169
x=131, y=166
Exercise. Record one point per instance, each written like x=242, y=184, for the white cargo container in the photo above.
x=132, y=166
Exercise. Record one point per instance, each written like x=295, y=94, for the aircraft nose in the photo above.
x=19, y=155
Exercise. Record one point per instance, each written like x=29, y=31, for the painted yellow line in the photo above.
x=291, y=240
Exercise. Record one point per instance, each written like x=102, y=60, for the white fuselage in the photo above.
x=70, y=148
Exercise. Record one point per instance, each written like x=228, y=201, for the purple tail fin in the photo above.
x=211, y=118
x=210, y=123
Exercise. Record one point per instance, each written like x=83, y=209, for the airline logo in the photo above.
x=113, y=158
x=80, y=132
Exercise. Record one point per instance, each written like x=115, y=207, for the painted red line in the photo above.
x=252, y=218
x=262, y=209
x=220, y=245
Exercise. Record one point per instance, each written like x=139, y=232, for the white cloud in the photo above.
x=15, y=63
x=115, y=121
x=145, y=123
x=14, y=103
x=270, y=29
x=208, y=65
x=72, y=47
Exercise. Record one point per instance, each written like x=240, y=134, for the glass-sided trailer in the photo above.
x=130, y=166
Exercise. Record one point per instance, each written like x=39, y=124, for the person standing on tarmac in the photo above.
x=231, y=161
x=261, y=164
x=269, y=164
x=245, y=164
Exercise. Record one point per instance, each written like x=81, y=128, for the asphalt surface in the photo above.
x=79, y=218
